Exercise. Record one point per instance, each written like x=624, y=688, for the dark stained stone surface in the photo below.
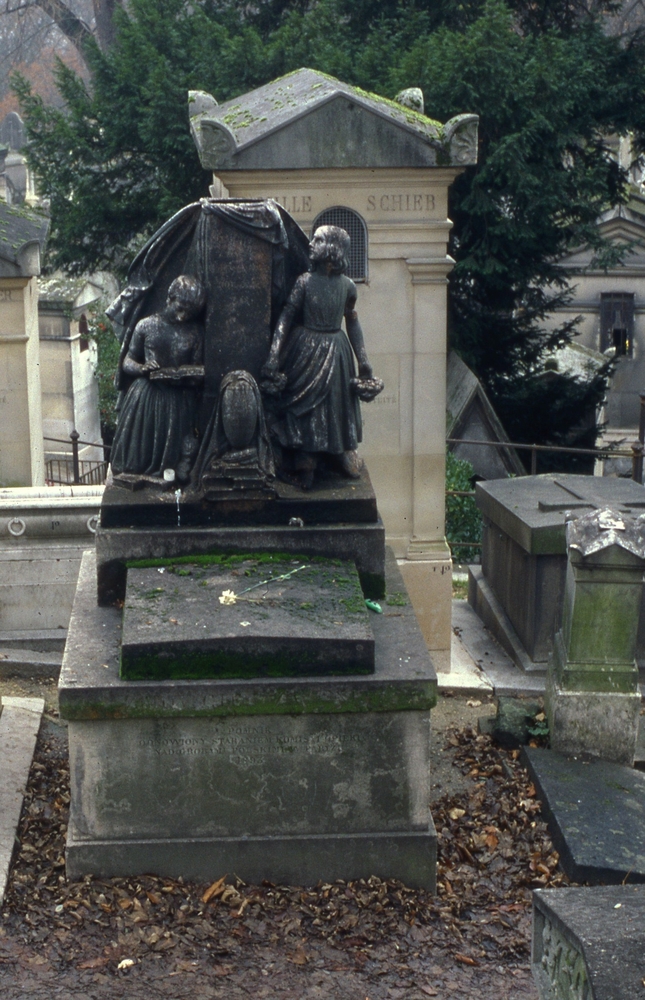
x=596, y=815
x=291, y=779
x=362, y=543
x=604, y=925
x=334, y=500
x=313, y=622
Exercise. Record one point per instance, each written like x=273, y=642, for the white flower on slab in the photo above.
x=228, y=597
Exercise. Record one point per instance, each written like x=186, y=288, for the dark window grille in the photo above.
x=84, y=332
x=352, y=223
x=617, y=322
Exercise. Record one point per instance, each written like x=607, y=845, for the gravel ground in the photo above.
x=369, y=940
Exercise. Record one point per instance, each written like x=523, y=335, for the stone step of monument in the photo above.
x=42, y=640
x=28, y=662
x=19, y=723
x=493, y=664
x=589, y=942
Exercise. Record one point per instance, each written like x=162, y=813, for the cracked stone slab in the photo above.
x=19, y=724
x=596, y=815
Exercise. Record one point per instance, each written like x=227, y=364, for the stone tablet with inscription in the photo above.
x=237, y=616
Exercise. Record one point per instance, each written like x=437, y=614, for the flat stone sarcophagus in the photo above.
x=243, y=616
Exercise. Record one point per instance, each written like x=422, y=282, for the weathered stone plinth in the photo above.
x=292, y=779
x=338, y=519
x=592, y=698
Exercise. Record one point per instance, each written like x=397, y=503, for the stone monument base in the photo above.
x=290, y=779
x=408, y=857
x=604, y=724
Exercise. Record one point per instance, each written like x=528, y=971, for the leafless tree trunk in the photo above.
x=71, y=23
x=104, y=20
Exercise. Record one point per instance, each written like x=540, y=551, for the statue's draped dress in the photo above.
x=319, y=412
x=155, y=417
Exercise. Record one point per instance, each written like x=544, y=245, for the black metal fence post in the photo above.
x=74, y=436
x=637, y=462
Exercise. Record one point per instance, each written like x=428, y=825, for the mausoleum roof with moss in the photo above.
x=309, y=120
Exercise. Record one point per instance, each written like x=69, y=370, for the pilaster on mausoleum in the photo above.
x=22, y=237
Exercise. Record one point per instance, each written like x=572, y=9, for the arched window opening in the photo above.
x=352, y=223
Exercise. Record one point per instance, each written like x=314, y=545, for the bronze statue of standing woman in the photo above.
x=311, y=365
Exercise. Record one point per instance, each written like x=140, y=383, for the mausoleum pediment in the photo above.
x=22, y=238
x=308, y=120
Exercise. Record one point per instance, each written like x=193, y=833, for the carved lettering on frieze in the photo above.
x=400, y=202
x=295, y=204
x=245, y=747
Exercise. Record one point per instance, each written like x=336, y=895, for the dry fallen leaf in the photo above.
x=216, y=889
x=94, y=963
x=465, y=959
x=222, y=970
x=457, y=813
x=298, y=957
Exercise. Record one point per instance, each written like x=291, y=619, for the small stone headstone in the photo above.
x=12, y=131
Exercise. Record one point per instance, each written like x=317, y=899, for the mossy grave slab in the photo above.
x=247, y=617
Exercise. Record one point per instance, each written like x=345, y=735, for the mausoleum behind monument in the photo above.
x=245, y=681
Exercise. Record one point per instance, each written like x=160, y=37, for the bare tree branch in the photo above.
x=72, y=26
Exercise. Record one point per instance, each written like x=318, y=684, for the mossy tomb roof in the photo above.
x=23, y=232
x=383, y=133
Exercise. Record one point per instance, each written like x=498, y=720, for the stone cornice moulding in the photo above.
x=358, y=177
x=430, y=270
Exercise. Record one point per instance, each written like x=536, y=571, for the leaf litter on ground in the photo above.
x=493, y=848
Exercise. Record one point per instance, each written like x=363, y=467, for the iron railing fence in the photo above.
x=636, y=453
x=74, y=470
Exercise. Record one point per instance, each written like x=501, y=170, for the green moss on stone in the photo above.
x=416, y=697
x=398, y=599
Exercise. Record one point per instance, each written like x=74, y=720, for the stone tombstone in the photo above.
x=588, y=942
x=70, y=399
x=518, y=589
x=334, y=154
x=22, y=237
x=592, y=696
x=12, y=132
